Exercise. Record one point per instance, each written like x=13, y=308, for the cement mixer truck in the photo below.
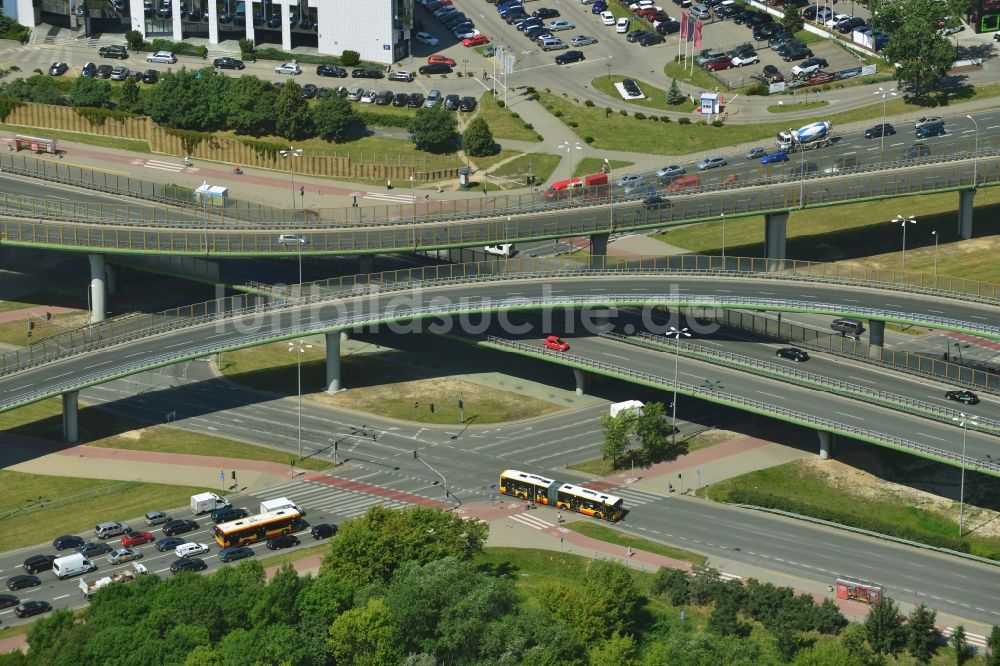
x=813, y=135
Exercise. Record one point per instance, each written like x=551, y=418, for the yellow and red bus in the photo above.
x=565, y=496
x=257, y=528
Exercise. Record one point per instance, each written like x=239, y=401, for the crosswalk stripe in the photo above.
x=164, y=166
x=532, y=521
x=397, y=198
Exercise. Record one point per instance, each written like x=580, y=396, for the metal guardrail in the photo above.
x=747, y=404
x=801, y=377
x=117, y=330
x=70, y=499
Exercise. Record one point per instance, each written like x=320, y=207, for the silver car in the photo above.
x=156, y=518
x=121, y=555
x=712, y=162
x=583, y=40
x=670, y=171
x=433, y=98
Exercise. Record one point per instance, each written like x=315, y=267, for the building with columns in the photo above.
x=377, y=29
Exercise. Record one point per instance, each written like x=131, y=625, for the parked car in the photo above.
x=369, y=97
x=104, y=71
x=560, y=24
x=188, y=564
x=426, y=38
x=291, y=68
x=8, y=600
x=876, y=131
x=113, y=51
x=608, y=18
x=622, y=25
x=440, y=59
x=226, y=62
x=323, y=531
x=89, y=70
x=58, y=69
x=544, y=13
x=151, y=76
x=668, y=27
x=720, y=63
x=711, y=163
x=433, y=98
x=478, y=40
x=400, y=100
x=568, y=57
x=467, y=104
x=234, y=553
x=401, y=75
x=383, y=98
x=798, y=53
x=556, y=343
x=166, y=58
x=435, y=68
x=119, y=73
x=37, y=563
x=965, y=397
x=793, y=354
x=650, y=39
x=451, y=102
x=809, y=66
x=742, y=59
x=366, y=73
x=583, y=40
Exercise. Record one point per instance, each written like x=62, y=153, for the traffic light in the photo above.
x=234, y=475
x=414, y=455
x=461, y=404
x=31, y=326
x=48, y=316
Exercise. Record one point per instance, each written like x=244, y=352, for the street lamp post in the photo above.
x=299, y=346
x=676, y=335
x=903, y=221
x=802, y=166
x=723, y=241
x=447, y=494
x=885, y=94
x=292, y=152
x=565, y=145
x=965, y=422
x=935, y=234
x=975, y=158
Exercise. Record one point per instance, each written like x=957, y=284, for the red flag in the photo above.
x=684, y=26
x=697, y=34
x=690, y=31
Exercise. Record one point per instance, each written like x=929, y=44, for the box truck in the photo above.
x=208, y=502
x=627, y=406
x=279, y=503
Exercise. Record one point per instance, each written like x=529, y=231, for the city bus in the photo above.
x=257, y=528
x=565, y=496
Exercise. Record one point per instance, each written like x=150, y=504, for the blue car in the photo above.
x=598, y=7
x=774, y=158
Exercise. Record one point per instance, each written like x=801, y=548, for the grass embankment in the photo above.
x=384, y=388
x=862, y=233
x=602, y=533
x=801, y=488
x=655, y=97
x=295, y=555
x=590, y=165
x=504, y=124
x=703, y=440
x=117, y=143
x=16, y=332
x=539, y=165
x=785, y=107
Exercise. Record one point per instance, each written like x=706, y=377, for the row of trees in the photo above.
x=648, y=427
x=207, y=101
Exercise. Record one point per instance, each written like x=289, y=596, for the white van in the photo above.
x=500, y=250
x=72, y=565
x=190, y=549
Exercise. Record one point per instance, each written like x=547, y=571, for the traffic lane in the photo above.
x=853, y=413
x=947, y=583
x=209, y=338
x=854, y=371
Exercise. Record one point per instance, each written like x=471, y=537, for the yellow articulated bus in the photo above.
x=257, y=528
x=565, y=496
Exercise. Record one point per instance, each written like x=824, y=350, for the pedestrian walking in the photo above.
x=628, y=551
x=354, y=201
x=388, y=184
x=558, y=516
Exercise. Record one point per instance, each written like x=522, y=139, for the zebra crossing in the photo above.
x=393, y=198
x=162, y=166
x=320, y=498
x=531, y=520
x=635, y=497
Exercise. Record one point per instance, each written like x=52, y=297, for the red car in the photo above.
x=133, y=538
x=438, y=59
x=719, y=64
x=478, y=40
x=556, y=343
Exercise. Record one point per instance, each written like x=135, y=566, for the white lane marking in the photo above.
x=58, y=598
x=779, y=397
x=850, y=416
x=866, y=381
x=940, y=439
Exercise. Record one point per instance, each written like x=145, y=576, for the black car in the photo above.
x=94, y=549
x=544, y=13
x=668, y=27
x=228, y=63
x=331, y=70
x=89, y=70
x=918, y=150
x=188, y=564
x=726, y=11
x=323, y=531
x=362, y=73
x=537, y=32
x=29, y=608
x=467, y=104
x=23, y=580
x=37, y=563
x=168, y=543
x=235, y=553
x=416, y=100
x=66, y=542
x=104, y=71
x=772, y=74
x=568, y=57
x=383, y=98
x=796, y=54
x=435, y=68
x=781, y=38
x=401, y=99
x=765, y=31
x=309, y=91
x=631, y=87
x=792, y=354
x=283, y=541
x=635, y=35
x=150, y=76
x=58, y=69
x=453, y=19
x=757, y=19
x=740, y=17
x=8, y=600
x=651, y=40
x=848, y=26
x=655, y=202
x=880, y=130
x=451, y=102
x=965, y=397
x=175, y=527
x=113, y=51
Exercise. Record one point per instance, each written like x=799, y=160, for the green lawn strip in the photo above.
x=702, y=440
x=624, y=540
x=796, y=106
x=22, y=490
x=808, y=38
x=655, y=98
x=590, y=165
x=539, y=165
x=130, y=145
x=862, y=231
x=504, y=124
x=798, y=488
x=698, y=78
x=16, y=332
x=278, y=559
x=381, y=387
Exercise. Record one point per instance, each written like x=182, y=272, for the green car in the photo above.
x=225, y=515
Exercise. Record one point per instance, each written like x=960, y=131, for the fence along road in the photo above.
x=70, y=226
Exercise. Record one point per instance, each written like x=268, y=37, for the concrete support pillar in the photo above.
x=176, y=20
x=826, y=442
x=774, y=239
x=71, y=431
x=213, y=23
x=582, y=380
x=876, y=333
x=366, y=262
x=111, y=275
x=598, y=250
x=98, y=297
x=333, y=362
x=965, y=198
